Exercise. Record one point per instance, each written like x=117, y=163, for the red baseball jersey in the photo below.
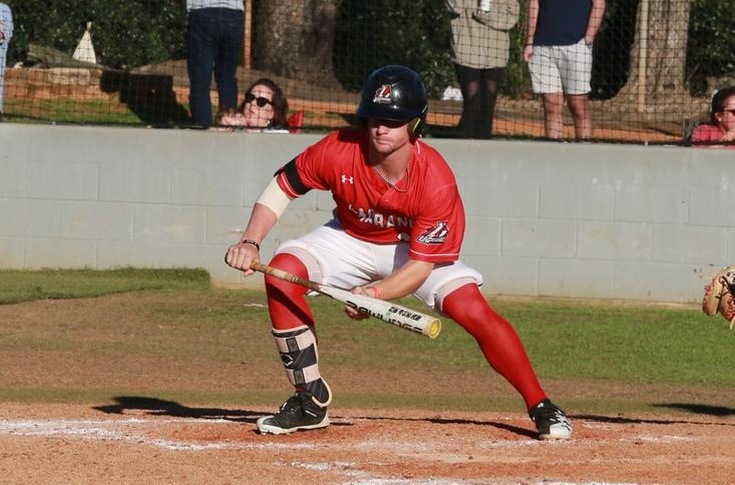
x=423, y=208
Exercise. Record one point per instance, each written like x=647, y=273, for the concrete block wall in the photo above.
x=550, y=219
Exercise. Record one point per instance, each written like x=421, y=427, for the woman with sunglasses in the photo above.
x=265, y=108
x=722, y=124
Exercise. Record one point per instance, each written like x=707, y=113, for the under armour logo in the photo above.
x=346, y=179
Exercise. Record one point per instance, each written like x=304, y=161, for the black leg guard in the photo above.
x=300, y=357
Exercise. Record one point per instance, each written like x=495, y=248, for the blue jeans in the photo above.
x=214, y=40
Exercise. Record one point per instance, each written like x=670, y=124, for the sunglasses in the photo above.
x=260, y=101
x=731, y=111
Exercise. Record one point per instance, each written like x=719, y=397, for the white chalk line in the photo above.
x=129, y=430
x=134, y=430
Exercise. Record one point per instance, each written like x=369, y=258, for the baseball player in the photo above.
x=397, y=230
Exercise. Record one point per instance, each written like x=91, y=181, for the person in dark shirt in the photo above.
x=559, y=56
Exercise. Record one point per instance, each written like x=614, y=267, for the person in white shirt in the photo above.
x=6, y=33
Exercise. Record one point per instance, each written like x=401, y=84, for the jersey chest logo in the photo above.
x=435, y=235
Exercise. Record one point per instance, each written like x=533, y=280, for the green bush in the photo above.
x=125, y=34
x=371, y=34
x=711, y=49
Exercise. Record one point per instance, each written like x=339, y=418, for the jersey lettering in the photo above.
x=378, y=219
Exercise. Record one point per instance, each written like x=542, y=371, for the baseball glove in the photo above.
x=718, y=295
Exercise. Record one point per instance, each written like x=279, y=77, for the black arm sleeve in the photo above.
x=292, y=175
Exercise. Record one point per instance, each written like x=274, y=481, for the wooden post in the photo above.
x=247, y=44
x=643, y=57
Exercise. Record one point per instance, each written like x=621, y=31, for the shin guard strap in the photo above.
x=300, y=357
x=298, y=354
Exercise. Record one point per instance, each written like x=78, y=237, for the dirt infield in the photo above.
x=121, y=444
x=133, y=350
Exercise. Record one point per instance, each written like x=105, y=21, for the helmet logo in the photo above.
x=383, y=94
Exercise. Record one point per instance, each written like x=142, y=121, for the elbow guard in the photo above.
x=274, y=198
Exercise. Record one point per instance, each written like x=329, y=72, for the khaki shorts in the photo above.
x=335, y=258
x=564, y=68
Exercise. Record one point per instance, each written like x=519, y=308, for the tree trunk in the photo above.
x=295, y=39
x=656, y=79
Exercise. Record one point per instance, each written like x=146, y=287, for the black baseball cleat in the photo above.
x=299, y=412
x=551, y=422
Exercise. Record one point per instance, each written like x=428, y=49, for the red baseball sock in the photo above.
x=497, y=339
x=287, y=301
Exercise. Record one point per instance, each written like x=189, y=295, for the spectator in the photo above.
x=559, y=55
x=265, y=108
x=6, y=33
x=721, y=127
x=480, y=46
x=214, y=40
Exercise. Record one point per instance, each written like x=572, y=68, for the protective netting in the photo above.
x=652, y=66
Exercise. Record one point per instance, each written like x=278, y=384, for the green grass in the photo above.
x=641, y=344
x=66, y=110
x=631, y=344
x=110, y=111
x=22, y=285
x=575, y=341
x=178, y=338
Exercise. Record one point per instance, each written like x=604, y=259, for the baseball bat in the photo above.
x=386, y=311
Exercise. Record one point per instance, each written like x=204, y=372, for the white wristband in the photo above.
x=274, y=198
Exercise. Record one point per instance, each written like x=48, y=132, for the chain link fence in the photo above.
x=655, y=63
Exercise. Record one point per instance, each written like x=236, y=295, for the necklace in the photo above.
x=382, y=175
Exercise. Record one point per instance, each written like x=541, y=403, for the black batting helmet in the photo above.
x=395, y=93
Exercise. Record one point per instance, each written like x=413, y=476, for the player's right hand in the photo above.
x=360, y=290
x=241, y=256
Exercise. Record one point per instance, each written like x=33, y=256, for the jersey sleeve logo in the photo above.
x=383, y=94
x=435, y=235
